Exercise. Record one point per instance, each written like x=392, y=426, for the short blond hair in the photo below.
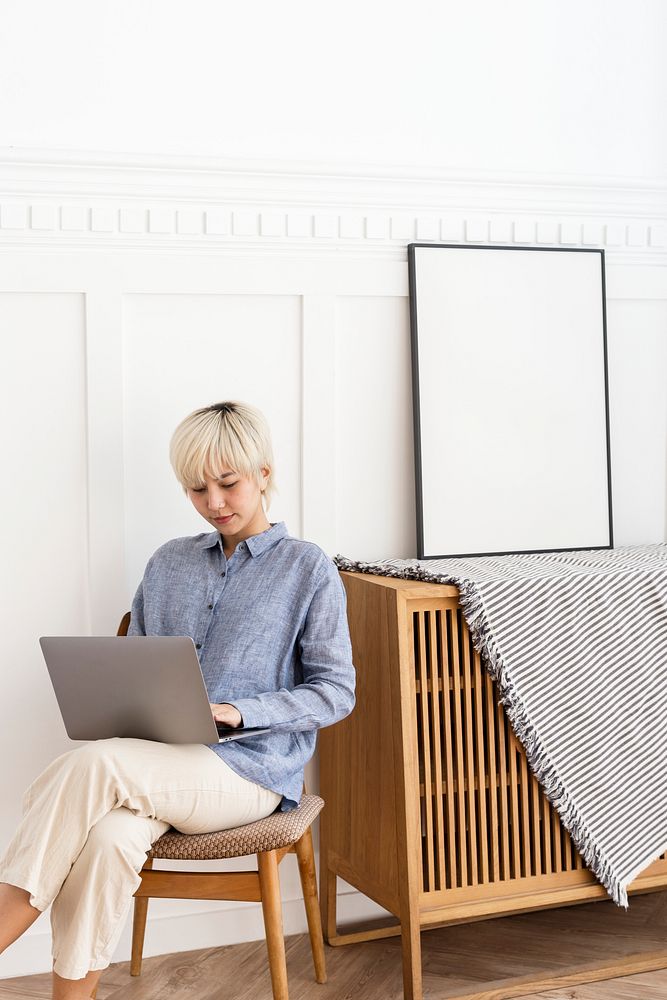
x=231, y=434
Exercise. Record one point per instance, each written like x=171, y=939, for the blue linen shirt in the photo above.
x=270, y=627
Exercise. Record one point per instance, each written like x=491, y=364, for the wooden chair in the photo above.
x=270, y=839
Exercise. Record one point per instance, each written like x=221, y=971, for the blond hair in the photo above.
x=231, y=434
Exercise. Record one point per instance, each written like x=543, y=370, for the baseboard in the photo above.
x=193, y=927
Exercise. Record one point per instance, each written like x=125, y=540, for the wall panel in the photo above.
x=637, y=342
x=185, y=351
x=374, y=451
x=44, y=583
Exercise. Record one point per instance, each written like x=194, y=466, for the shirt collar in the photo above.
x=256, y=543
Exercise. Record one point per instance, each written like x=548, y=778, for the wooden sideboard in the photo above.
x=431, y=809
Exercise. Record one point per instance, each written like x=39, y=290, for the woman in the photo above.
x=267, y=614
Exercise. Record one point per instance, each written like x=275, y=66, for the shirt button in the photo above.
x=198, y=645
x=210, y=607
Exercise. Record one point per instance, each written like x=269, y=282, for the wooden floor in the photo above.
x=455, y=960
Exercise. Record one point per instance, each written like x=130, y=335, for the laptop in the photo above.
x=146, y=687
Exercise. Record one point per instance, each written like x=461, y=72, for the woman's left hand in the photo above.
x=227, y=715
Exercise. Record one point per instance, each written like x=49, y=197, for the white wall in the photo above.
x=108, y=342
x=518, y=85
x=134, y=288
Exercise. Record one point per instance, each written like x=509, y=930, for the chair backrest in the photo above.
x=124, y=624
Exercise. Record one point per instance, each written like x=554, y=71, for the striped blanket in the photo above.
x=577, y=642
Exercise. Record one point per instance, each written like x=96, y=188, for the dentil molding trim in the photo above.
x=52, y=198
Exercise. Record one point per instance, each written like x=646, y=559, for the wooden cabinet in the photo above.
x=431, y=809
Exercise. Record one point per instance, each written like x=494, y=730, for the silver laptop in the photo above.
x=146, y=687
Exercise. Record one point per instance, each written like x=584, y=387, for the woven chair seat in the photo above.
x=280, y=829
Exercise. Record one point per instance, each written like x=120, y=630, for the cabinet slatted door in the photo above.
x=431, y=808
x=472, y=771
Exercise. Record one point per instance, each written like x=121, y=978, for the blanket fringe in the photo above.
x=540, y=763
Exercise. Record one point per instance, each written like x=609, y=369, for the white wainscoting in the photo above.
x=119, y=317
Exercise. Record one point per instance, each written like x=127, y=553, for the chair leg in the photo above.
x=139, y=929
x=269, y=884
x=306, y=858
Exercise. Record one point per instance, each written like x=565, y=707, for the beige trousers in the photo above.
x=90, y=818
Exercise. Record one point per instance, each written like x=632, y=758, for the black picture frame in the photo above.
x=422, y=552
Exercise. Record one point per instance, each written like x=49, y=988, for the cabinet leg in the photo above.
x=327, y=899
x=412, y=959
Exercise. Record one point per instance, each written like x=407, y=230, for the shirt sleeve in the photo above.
x=137, y=626
x=326, y=693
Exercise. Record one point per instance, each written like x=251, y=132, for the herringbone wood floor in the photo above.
x=455, y=959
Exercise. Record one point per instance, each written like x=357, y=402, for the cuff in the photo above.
x=251, y=715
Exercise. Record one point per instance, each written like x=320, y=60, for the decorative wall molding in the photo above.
x=53, y=199
x=301, y=182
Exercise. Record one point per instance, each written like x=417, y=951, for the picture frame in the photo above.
x=510, y=399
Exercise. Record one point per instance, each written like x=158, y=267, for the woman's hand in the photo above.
x=227, y=715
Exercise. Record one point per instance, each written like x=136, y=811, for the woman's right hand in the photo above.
x=227, y=715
